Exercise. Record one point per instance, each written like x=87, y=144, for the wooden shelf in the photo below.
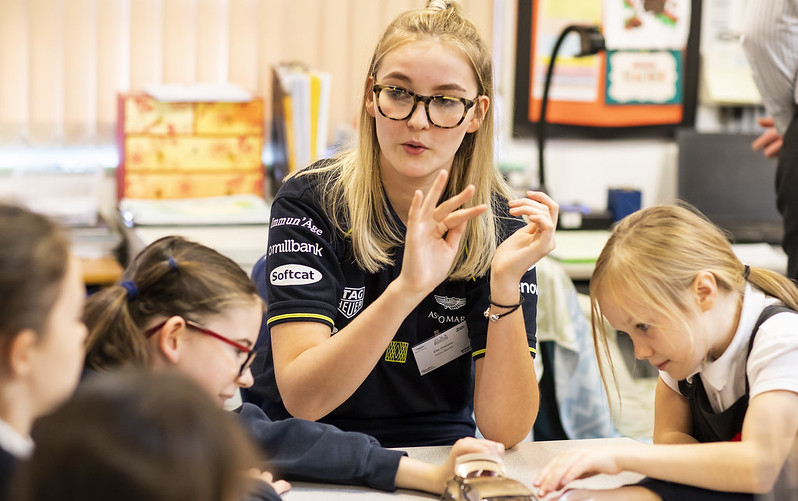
x=102, y=271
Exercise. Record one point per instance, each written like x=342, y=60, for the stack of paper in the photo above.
x=199, y=92
x=233, y=209
x=301, y=115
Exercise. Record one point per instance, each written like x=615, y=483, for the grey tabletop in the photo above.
x=522, y=463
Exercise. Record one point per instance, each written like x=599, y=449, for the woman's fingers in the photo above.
x=536, y=203
x=446, y=217
x=448, y=206
x=454, y=223
x=434, y=193
x=415, y=206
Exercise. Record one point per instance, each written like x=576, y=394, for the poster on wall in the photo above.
x=644, y=77
x=575, y=78
x=646, y=24
x=638, y=80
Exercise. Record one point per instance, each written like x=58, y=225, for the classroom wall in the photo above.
x=69, y=58
x=66, y=96
x=577, y=170
x=581, y=171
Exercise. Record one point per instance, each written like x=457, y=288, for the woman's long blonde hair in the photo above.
x=654, y=255
x=353, y=195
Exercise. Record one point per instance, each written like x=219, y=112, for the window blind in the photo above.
x=62, y=62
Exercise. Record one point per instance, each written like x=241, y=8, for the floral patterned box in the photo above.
x=194, y=149
x=195, y=185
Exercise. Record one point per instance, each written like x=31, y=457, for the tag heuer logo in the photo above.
x=451, y=303
x=351, y=301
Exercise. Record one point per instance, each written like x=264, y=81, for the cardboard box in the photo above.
x=188, y=149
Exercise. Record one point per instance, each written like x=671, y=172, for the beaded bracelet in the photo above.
x=494, y=317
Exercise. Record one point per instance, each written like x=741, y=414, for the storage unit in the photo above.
x=188, y=149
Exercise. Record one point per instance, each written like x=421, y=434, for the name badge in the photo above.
x=441, y=349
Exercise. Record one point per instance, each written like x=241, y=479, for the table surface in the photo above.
x=577, y=251
x=522, y=463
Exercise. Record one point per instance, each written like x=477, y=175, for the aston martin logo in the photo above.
x=451, y=303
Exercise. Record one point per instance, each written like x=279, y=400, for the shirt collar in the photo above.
x=716, y=373
x=13, y=442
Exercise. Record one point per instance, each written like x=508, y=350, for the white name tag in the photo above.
x=442, y=349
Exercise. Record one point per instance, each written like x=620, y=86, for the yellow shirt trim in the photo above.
x=301, y=315
x=482, y=352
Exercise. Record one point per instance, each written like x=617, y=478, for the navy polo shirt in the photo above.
x=311, y=276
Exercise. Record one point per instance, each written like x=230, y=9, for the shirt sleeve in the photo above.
x=297, y=449
x=303, y=278
x=774, y=356
x=770, y=42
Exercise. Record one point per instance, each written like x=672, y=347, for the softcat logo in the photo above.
x=294, y=274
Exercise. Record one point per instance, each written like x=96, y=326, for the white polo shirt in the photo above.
x=771, y=365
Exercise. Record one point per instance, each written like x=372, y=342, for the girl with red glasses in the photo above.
x=183, y=306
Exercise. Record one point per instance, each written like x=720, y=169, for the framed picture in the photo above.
x=645, y=83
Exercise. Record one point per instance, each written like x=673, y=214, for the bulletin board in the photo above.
x=644, y=83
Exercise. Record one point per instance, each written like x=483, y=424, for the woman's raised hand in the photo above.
x=433, y=235
x=529, y=244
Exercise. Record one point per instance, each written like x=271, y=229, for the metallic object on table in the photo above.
x=482, y=477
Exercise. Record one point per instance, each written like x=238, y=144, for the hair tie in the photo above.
x=746, y=271
x=172, y=264
x=132, y=290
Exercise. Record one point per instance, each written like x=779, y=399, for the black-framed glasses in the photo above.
x=397, y=103
x=249, y=353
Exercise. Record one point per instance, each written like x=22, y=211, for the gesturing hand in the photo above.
x=770, y=141
x=433, y=235
x=527, y=245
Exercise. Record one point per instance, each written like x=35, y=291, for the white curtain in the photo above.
x=63, y=62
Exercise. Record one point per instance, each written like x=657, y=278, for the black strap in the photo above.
x=768, y=312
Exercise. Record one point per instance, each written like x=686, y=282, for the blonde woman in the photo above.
x=400, y=275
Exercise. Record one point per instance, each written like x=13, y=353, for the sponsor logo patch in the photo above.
x=292, y=245
x=446, y=319
x=450, y=303
x=351, y=301
x=397, y=352
x=528, y=288
x=304, y=222
x=294, y=274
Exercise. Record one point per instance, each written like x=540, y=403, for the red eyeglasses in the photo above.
x=249, y=353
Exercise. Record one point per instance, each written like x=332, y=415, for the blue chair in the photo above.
x=259, y=277
x=263, y=344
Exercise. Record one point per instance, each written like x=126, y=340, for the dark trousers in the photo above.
x=787, y=195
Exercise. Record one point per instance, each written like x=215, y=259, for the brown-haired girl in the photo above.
x=138, y=435
x=184, y=306
x=41, y=331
